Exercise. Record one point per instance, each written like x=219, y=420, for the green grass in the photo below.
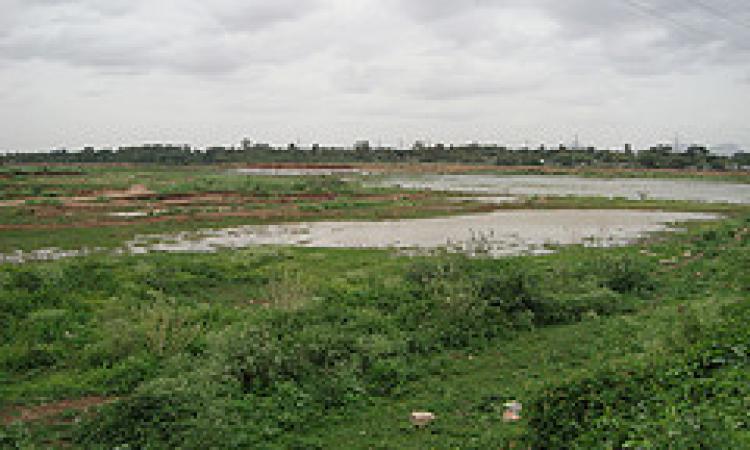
x=470, y=387
x=44, y=220
x=168, y=180
x=246, y=348
x=74, y=237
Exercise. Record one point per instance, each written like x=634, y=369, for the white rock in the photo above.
x=420, y=419
x=512, y=411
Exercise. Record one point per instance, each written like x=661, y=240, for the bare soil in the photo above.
x=83, y=212
x=49, y=411
x=297, y=166
x=41, y=173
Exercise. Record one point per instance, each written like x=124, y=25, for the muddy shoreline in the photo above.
x=498, y=233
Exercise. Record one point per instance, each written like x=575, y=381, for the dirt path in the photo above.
x=48, y=411
x=276, y=206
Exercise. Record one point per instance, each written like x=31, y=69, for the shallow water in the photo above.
x=298, y=172
x=499, y=233
x=631, y=188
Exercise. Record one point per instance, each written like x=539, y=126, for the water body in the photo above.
x=290, y=172
x=500, y=233
x=631, y=188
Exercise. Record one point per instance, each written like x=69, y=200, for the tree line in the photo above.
x=659, y=157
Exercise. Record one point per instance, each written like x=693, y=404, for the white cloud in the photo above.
x=454, y=69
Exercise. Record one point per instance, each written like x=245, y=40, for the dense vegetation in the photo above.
x=283, y=347
x=698, y=396
x=657, y=157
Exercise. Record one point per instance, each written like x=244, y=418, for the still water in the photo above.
x=630, y=188
x=499, y=233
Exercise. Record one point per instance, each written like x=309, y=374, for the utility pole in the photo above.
x=676, y=143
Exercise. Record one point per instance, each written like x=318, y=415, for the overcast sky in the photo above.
x=117, y=72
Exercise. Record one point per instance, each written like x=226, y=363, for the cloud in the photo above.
x=634, y=36
x=252, y=15
x=221, y=36
x=184, y=36
x=294, y=64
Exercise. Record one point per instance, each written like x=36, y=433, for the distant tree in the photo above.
x=362, y=146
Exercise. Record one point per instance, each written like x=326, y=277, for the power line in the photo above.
x=685, y=27
x=655, y=13
x=720, y=14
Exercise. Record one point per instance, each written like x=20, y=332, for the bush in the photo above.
x=355, y=342
x=16, y=436
x=625, y=273
x=650, y=405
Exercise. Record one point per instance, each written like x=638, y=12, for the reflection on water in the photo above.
x=283, y=171
x=631, y=188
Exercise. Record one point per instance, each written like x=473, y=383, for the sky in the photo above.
x=128, y=72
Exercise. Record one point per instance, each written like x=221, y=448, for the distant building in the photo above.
x=362, y=146
x=697, y=150
x=662, y=148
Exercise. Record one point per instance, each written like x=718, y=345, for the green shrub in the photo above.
x=43, y=202
x=25, y=357
x=127, y=374
x=354, y=342
x=16, y=436
x=186, y=363
x=625, y=273
x=652, y=404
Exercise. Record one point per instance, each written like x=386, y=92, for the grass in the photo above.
x=110, y=236
x=48, y=217
x=72, y=212
x=75, y=237
x=470, y=387
x=246, y=348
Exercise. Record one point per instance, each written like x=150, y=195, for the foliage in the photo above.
x=653, y=158
x=348, y=345
x=697, y=398
x=245, y=349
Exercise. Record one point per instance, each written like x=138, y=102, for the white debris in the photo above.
x=420, y=419
x=512, y=411
x=129, y=214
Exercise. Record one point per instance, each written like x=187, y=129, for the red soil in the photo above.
x=50, y=410
x=298, y=166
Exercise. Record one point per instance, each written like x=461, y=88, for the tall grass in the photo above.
x=201, y=363
x=262, y=380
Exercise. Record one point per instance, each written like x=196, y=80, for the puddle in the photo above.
x=129, y=214
x=136, y=214
x=631, y=188
x=492, y=199
x=290, y=172
x=499, y=233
